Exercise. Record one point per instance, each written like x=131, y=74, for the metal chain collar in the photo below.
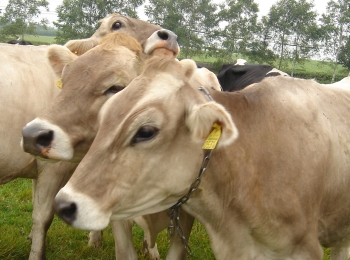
x=174, y=210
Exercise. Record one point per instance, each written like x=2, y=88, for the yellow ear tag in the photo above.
x=59, y=83
x=213, y=138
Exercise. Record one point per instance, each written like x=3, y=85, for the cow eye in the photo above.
x=113, y=90
x=116, y=26
x=145, y=133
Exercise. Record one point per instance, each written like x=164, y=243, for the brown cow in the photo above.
x=27, y=89
x=97, y=85
x=138, y=29
x=107, y=68
x=277, y=190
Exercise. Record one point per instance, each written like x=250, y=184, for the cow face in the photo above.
x=150, y=141
x=67, y=129
x=138, y=29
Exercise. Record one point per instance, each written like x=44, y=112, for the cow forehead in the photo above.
x=160, y=87
x=98, y=63
x=141, y=93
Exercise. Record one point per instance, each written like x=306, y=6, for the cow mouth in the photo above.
x=164, y=52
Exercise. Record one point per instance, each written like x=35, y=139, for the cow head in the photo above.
x=66, y=130
x=138, y=29
x=148, y=148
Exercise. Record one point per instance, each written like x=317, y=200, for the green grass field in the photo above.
x=65, y=242
x=40, y=38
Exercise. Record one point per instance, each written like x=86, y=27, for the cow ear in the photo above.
x=188, y=67
x=59, y=57
x=79, y=47
x=206, y=78
x=202, y=118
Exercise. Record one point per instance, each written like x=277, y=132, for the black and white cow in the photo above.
x=20, y=42
x=240, y=74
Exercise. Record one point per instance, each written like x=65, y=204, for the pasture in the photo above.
x=40, y=38
x=65, y=242
x=36, y=40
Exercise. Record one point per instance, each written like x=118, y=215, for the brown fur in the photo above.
x=278, y=192
x=138, y=29
x=121, y=39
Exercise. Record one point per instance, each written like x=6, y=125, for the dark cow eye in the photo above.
x=113, y=90
x=145, y=133
x=116, y=26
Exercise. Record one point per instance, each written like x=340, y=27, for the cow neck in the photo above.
x=175, y=209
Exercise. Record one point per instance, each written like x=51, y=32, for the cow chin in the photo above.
x=164, y=53
x=79, y=210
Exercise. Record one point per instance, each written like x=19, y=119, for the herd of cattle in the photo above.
x=277, y=183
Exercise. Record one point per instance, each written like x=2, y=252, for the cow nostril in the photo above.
x=66, y=211
x=163, y=35
x=45, y=138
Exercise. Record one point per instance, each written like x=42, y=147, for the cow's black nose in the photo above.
x=65, y=210
x=37, y=141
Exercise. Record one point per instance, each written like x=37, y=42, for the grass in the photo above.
x=65, y=242
x=40, y=38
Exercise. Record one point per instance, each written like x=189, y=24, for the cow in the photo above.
x=277, y=183
x=102, y=79
x=240, y=74
x=27, y=89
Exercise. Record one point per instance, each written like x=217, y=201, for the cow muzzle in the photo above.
x=162, y=43
x=79, y=210
x=67, y=211
x=41, y=138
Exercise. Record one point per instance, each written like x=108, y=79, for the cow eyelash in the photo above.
x=145, y=133
x=113, y=90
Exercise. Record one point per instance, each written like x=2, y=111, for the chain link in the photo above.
x=206, y=93
x=174, y=210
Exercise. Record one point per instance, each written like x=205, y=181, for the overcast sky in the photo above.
x=264, y=7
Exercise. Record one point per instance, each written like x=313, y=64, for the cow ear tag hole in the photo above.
x=213, y=138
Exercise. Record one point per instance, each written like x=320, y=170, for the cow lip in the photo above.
x=160, y=52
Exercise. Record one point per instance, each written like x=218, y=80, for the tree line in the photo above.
x=292, y=31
